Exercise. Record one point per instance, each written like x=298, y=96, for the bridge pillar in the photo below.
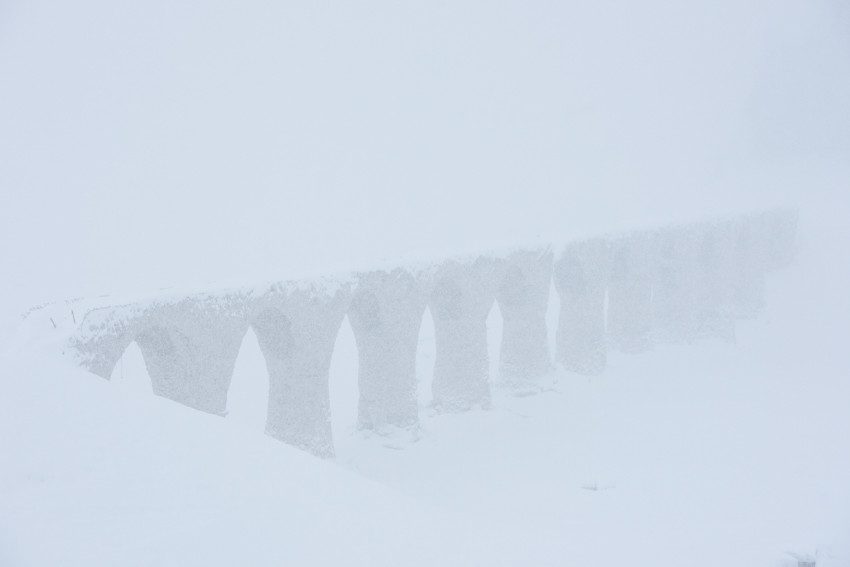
x=190, y=349
x=580, y=277
x=749, y=259
x=713, y=309
x=523, y=296
x=629, y=318
x=386, y=315
x=673, y=284
x=461, y=299
x=296, y=331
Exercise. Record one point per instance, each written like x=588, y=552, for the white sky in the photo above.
x=149, y=144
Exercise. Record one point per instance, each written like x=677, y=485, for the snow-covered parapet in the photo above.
x=523, y=297
x=296, y=328
x=461, y=298
x=580, y=275
x=385, y=315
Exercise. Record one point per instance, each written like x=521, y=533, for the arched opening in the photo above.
x=553, y=311
x=342, y=382
x=248, y=396
x=494, y=342
x=426, y=351
x=131, y=373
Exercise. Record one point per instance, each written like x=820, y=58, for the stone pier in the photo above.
x=713, y=312
x=461, y=299
x=749, y=256
x=675, y=252
x=297, y=330
x=523, y=297
x=386, y=314
x=580, y=276
x=629, y=318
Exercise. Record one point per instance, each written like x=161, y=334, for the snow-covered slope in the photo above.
x=693, y=454
x=156, y=144
x=95, y=476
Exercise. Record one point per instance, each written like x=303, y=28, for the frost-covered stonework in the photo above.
x=523, y=297
x=675, y=252
x=189, y=345
x=103, y=336
x=624, y=291
x=386, y=314
x=190, y=349
x=581, y=275
x=463, y=293
x=749, y=257
x=296, y=330
x=713, y=313
x=629, y=316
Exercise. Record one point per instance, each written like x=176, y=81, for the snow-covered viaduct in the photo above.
x=625, y=291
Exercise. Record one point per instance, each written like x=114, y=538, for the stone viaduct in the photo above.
x=622, y=291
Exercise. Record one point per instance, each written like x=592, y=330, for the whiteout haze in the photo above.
x=412, y=163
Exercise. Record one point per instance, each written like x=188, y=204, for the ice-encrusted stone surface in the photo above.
x=103, y=336
x=523, y=297
x=580, y=275
x=749, y=257
x=461, y=299
x=713, y=313
x=296, y=330
x=626, y=291
x=673, y=284
x=386, y=315
x=190, y=348
x=629, y=317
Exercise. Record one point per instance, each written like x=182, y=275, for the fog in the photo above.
x=171, y=145
x=150, y=145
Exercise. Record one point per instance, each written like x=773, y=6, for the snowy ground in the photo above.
x=156, y=144
x=708, y=454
